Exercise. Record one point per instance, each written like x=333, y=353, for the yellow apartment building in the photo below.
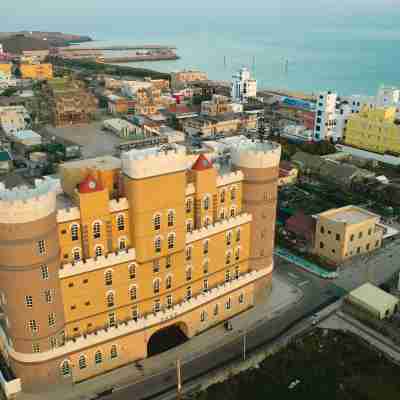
x=36, y=71
x=131, y=248
x=375, y=130
x=346, y=232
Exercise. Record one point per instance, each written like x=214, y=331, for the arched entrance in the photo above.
x=167, y=338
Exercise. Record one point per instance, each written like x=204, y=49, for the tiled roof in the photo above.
x=202, y=163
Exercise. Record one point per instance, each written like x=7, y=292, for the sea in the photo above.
x=350, y=54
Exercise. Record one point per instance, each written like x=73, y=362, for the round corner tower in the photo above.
x=259, y=162
x=30, y=294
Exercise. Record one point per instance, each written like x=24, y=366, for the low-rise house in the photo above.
x=373, y=301
x=346, y=232
x=301, y=228
x=120, y=127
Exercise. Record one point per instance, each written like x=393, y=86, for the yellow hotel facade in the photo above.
x=160, y=241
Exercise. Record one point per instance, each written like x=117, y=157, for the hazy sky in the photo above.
x=73, y=14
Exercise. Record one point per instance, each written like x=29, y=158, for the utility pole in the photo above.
x=244, y=346
x=179, y=379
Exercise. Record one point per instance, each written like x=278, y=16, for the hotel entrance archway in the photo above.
x=167, y=338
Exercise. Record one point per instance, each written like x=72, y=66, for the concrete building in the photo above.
x=387, y=97
x=148, y=101
x=325, y=117
x=13, y=119
x=373, y=301
x=226, y=124
x=120, y=127
x=243, y=86
x=376, y=130
x=297, y=133
x=130, y=88
x=88, y=282
x=346, y=232
x=69, y=101
x=36, y=71
x=120, y=105
x=216, y=106
x=181, y=78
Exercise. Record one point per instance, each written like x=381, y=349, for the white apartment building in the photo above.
x=325, y=116
x=243, y=86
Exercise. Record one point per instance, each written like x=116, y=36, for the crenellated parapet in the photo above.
x=101, y=262
x=230, y=178
x=256, y=154
x=68, y=214
x=25, y=204
x=117, y=205
x=138, y=164
x=220, y=226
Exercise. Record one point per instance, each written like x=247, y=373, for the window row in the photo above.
x=33, y=325
x=171, y=242
x=48, y=295
x=232, y=192
x=228, y=256
x=228, y=306
x=171, y=220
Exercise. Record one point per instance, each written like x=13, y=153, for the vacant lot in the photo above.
x=325, y=365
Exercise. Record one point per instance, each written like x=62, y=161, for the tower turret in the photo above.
x=30, y=293
x=259, y=163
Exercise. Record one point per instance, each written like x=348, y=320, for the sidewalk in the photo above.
x=283, y=296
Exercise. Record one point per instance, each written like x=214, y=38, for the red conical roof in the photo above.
x=89, y=185
x=202, y=163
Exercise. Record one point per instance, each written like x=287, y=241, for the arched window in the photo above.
x=133, y=292
x=189, y=205
x=113, y=352
x=157, y=244
x=74, y=232
x=76, y=254
x=206, y=202
x=122, y=243
x=65, y=368
x=110, y=299
x=233, y=193
x=168, y=282
x=132, y=271
x=98, y=357
x=229, y=238
x=237, y=272
x=203, y=316
x=156, y=286
x=157, y=222
x=189, y=226
x=108, y=277
x=82, y=362
x=97, y=230
x=171, y=241
x=189, y=274
x=237, y=254
x=222, y=196
x=238, y=235
x=205, y=247
x=188, y=253
x=121, y=222
x=98, y=251
x=171, y=218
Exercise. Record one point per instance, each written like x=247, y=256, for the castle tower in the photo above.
x=157, y=219
x=30, y=293
x=259, y=163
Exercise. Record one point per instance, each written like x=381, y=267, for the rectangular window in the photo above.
x=33, y=326
x=322, y=230
x=29, y=301
x=156, y=266
x=41, y=247
x=227, y=275
x=168, y=262
x=228, y=304
x=360, y=235
x=135, y=313
x=52, y=319
x=337, y=236
x=48, y=296
x=53, y=342
x=188, y=253
x=157, y=305
x=112, y=321
x=321, y=245
x=169, y=301
x=35, y=348
x=188, y=293
x=205, y=284
x=44, y=270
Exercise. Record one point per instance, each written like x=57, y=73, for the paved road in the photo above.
x=317, y=293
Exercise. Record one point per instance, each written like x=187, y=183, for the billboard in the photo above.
x=298, y=103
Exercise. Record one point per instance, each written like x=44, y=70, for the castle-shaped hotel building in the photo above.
x=155, y=239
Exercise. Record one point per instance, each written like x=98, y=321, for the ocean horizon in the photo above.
x=354, y=54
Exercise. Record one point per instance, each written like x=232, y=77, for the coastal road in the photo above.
x=317, y=293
